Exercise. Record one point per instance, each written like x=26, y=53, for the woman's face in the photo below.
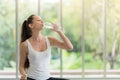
x=37, y=22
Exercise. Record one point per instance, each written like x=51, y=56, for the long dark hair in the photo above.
x=25, y=34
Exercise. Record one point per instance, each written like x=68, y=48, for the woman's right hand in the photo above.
x=23, y=77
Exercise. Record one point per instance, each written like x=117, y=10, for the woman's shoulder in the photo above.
x=23, y=47
x=24, y=44
x=51, y=38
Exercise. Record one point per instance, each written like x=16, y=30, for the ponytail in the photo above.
x=25, y=34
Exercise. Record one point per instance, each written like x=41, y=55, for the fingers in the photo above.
x=56, y=27
x=23, y=77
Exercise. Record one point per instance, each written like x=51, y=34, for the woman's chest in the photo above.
x=39, y=46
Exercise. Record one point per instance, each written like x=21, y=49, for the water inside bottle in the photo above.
x=48, y=25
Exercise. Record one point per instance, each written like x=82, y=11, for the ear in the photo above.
x=30, y=25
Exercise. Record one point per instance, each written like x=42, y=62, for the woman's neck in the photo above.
x=36, y=36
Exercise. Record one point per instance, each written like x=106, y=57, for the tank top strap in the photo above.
x=28, y=43
x=48, y=43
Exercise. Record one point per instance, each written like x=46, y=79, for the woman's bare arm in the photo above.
x=23, y=55
x=64, y=43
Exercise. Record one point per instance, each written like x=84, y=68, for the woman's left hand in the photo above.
x=56, y=27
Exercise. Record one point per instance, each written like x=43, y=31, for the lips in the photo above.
x=41, y=24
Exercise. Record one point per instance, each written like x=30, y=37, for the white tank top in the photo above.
x=39, y=62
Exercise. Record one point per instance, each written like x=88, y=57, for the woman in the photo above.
x=35, y=49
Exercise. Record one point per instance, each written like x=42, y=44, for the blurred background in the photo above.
x=93, y=26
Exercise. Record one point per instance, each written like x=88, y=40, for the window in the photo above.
x=7, y=38
x=91, y=25
x=94, y=38
x=112, y=38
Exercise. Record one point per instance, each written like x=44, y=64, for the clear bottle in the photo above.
x=48, y=25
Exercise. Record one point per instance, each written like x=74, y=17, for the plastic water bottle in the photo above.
x=48, y=25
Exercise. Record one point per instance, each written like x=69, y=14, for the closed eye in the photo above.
x=38, y=20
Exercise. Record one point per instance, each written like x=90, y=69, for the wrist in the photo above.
x=59, y=31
